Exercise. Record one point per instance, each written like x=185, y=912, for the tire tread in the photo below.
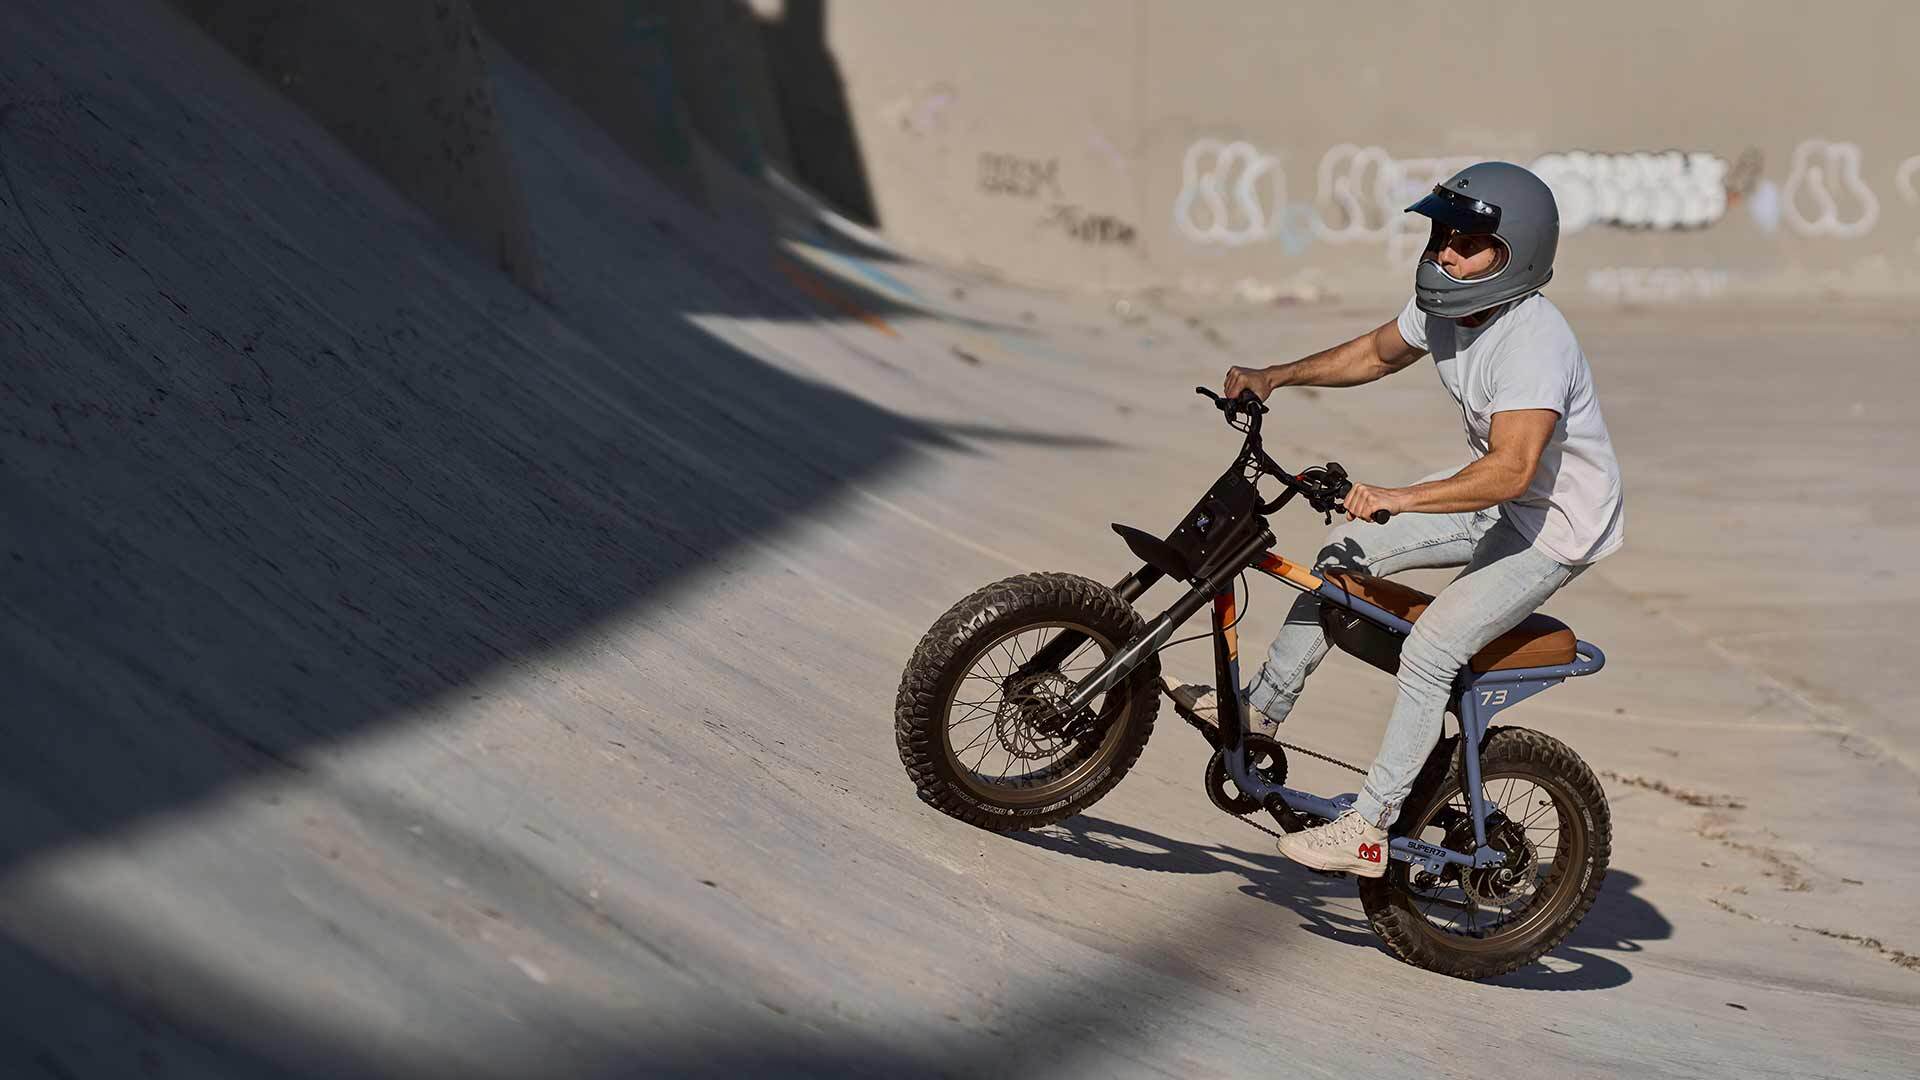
x=919, y=732
x=1393, y=924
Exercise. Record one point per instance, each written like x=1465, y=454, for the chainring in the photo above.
x=1269, y=763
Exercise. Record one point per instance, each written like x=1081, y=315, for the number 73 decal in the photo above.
x=1493, y=697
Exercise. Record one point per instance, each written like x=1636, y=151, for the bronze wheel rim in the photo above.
x=1485, y=911
x=988, y=739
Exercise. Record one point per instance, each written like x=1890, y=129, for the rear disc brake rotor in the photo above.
x=1507, y=884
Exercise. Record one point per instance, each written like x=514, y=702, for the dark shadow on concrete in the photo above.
x=171, y=1012
x=815, y=111
x=282, y=464
x=404, y=85
x=1618, y=922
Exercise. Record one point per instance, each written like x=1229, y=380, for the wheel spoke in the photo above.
x=975, y=741
x=1004, y=749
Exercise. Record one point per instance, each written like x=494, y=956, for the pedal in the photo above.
x=1184, y=698
x=1183, y=695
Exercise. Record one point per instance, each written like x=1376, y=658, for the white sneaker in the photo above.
x=1202, y=702
x=1349, y=842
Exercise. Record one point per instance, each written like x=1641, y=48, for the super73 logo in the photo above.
x=1493, y=697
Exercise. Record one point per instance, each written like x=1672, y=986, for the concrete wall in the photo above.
x=405, y=86
x=1698, y=149
x=684, y=86
x=1239, y=147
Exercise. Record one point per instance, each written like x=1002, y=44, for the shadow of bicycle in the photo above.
x=1618, y=922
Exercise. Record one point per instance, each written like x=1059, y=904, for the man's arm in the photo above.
x=1378, y=353
x=1515, y=441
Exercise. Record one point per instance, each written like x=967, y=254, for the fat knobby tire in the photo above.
x=1405, y=932
x=955, y=643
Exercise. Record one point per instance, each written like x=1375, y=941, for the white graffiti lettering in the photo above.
x=1824, y=175
x=1903, y=178
x=1656, y=284
x=1230, y=193
x=1903, y=181
x=1668, y=190
x=1363, y=191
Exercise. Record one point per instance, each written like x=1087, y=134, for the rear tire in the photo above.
x=1515, y=925
x=949, y=654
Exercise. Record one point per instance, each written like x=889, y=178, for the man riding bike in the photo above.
x=1539, y=502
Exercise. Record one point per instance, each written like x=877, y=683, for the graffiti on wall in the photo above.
x=1233, y=193
x=1363, y=192
x=1021, y=177
x=1824, y=194
x=1906, y=178
x=1230, y=194
x=1641, y=190
x=1101, y=230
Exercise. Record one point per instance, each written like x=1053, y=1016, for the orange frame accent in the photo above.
x=1224, y=618
x=1292, y=573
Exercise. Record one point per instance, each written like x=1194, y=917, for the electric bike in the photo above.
x=1030, y=699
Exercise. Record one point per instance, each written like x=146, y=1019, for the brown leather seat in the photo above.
x=1539, y=640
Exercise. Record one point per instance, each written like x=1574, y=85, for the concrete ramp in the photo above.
x=411, y=673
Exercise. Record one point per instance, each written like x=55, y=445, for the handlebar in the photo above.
x=1324, y=486
x=1246, y=402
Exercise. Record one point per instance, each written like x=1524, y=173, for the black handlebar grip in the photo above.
x=1380, y=516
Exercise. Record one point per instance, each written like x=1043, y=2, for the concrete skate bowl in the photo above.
x=457, y=562
x=286, y=461
x=313, y=433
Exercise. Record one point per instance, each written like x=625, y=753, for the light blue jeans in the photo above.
x=1504, y=581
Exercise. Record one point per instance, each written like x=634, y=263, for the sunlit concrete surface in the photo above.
x=411, y=674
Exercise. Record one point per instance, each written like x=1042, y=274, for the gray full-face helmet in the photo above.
x=1498, y=199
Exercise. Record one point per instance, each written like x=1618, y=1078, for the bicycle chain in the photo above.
x=1252, y=824
x=1323, y=757
x=1329, y=759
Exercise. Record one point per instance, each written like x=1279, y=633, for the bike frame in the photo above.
x=1477, y=696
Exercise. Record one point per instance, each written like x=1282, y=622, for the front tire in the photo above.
x=978, y=643
x=1546, y=809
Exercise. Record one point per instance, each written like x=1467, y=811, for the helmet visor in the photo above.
x=1461, y=213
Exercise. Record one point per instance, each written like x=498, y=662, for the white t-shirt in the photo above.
x=1525, y=357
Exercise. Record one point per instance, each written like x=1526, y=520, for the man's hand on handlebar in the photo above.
x=1262, y=381
x=1365, y=499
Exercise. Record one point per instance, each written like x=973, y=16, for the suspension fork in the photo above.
x=1117, y=666
x=1055, y=652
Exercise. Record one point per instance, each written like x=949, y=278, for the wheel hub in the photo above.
x=1031, y=721
x=1501, y=885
